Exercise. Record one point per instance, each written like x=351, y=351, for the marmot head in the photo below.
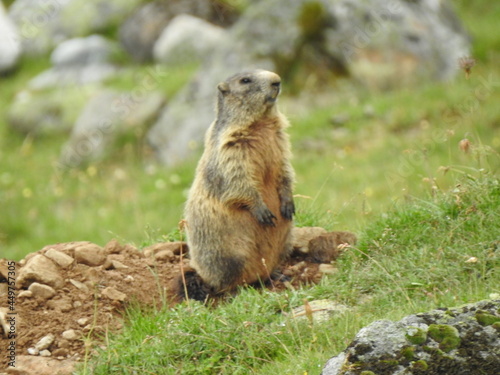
x=248, y=95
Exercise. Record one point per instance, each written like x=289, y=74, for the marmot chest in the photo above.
x=263, y=148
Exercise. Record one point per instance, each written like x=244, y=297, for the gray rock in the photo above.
x=39, y=24
x=10, y=46
x=78, y=61
x=457, y=341
x=42, y=270
x=45, y=342
x=44, y=24
x=383, y=44
x=389, y=44
x=77, y=52
x=47, y=112
x=107, y=115
x=187, y=38
x=139, y=33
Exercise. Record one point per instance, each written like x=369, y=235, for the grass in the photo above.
x=439, y=251
x=426, y=212
x=392, y=145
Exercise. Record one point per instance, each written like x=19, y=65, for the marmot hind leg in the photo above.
x=190, y=285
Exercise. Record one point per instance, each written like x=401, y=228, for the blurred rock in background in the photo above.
x=381, y=45
x=10, y=47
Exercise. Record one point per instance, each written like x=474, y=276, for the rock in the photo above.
x=320, y=310
x=42, y=291
x=176, y=247
x=10, y=47
x=47, y=112
x=71, y=335
x=113, y=294
x=91, y=255
x=33, y=351
x=45, y=353
x=25, y=294
x=83, y=321
x=383, y=44
x=455, y=341
x=113, y=247
x=187, y=38
x=58, y=257
x=63, y=305
x=42, y=270
x=42, y=25
x=36, y=365
x=77, y=52
x=117, y=265
x=45, y=342
x=77, y=61
x=327, y=269
x=79, y=285
x=329, y=246
x=139, y=33
x=106, y=116
x=165, y=255
x=301, y=237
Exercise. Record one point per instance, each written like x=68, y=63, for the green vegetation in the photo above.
x=390, y=147
x=386, y=165
x=416, y=336
x=486, y=319
x=447, y=336
x=413, y=258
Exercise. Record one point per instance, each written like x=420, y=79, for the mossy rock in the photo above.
x=416, y=336
x=447, y=336
x=486, y=319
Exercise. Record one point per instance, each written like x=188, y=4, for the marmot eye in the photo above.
x=245, y=80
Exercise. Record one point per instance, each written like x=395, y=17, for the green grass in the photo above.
x=426, y=212
x=393, y=145
x=439, y=251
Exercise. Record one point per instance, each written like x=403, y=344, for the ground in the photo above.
x=90, y=299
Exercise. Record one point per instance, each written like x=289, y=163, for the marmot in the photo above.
x=240, y=207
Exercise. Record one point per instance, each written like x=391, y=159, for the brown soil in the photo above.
x=91, y=299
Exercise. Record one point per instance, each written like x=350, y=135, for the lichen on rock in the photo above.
x=457, y=341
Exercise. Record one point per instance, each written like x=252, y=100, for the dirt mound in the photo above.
x=57, y=302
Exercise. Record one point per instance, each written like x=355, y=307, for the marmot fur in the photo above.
x=240, y=207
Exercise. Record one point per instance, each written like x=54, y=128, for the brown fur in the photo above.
x=240, y=206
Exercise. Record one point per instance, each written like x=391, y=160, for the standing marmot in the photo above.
x=240, y=206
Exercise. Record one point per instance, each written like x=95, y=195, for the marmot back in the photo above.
x=240, y=207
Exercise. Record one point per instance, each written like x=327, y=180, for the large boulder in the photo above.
x=10, y=47
x=47, y=112
x=187, y=38
x=107, y=115
x=458, y=341
x=78, y=61
x=381, y=44
x=139, y=33
x=44, y=24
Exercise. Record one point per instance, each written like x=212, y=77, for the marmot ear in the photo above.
x=223, y=87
